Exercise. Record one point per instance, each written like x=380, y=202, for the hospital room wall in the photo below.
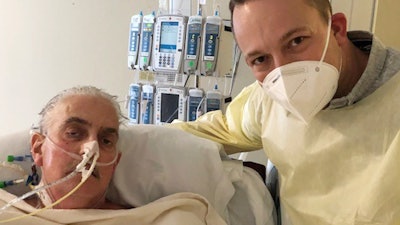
x=387, y=22
x=47, y=46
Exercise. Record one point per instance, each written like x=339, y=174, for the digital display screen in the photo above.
x=146, y=42
x=133, y=41
x=169, y=107
x=213, y=104
x=212, y=32
x=169, y=37
x=192, y=43
x=147, y=32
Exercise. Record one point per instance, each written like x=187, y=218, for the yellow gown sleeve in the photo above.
x=239, y=129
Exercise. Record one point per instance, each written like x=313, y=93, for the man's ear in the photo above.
x=37, y=141
x=339, y=26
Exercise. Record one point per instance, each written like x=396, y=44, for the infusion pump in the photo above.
x=170, y=104
x=169, y=43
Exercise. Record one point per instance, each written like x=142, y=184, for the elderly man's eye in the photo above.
x=107, y=141
x=73, y=134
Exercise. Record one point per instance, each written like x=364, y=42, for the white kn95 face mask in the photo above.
x=305, y=87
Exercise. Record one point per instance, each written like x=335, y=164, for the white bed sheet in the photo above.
x=177, y=209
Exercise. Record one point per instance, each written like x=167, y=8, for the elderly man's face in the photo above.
x=74, y=121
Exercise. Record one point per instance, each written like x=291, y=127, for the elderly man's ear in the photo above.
x=37, y=141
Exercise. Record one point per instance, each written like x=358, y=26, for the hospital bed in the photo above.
x=168, y=167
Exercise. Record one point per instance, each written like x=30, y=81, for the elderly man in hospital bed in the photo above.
x=77, y=148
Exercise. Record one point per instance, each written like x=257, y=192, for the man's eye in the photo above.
x=259, y=60
x=296, y=41
x=261, y=63
x=106, y=141
x=73, y=134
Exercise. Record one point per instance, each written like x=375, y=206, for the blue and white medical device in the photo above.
x=135, y=90
x=169, y=43
x=134, y=40
x=147, y=104
x=211, y=37
x=146, y=41
x=193, y=42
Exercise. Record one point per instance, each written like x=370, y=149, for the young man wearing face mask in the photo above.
x=77, y=123
x=324, y=108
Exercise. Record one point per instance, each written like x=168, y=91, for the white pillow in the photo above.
x=158, y=161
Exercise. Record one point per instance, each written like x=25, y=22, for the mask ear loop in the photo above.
x=326, y=45
x=341, y=62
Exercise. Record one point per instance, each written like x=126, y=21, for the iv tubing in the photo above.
x=236, y=57
x=85, y=176
x=198, y=106
x=26, y=195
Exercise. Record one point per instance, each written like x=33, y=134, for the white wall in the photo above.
x=47, y=46
x=387, y=26
x=359, y=13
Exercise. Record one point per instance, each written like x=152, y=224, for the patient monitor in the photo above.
x=170, y=104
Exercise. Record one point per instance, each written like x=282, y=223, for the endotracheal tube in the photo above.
x=90, y=156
